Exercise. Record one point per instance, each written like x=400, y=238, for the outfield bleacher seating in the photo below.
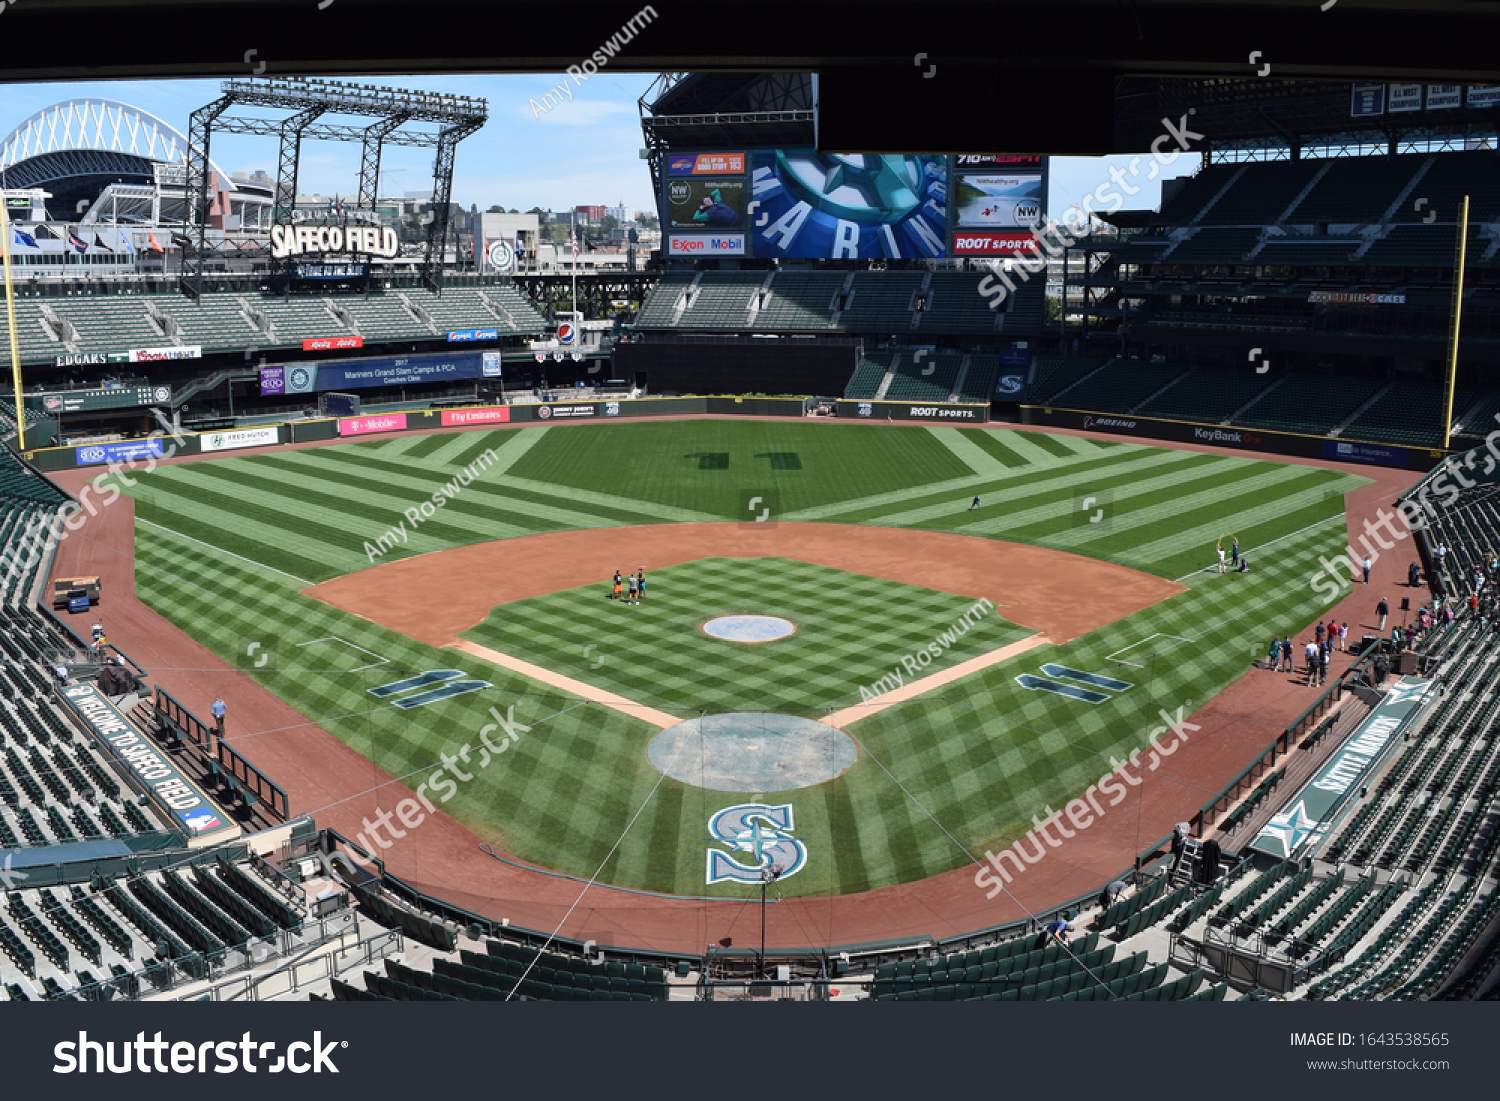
x=923, y=377
x=1123, y=385
x=869, y=373
x=1410, y=412
x=1356, y=190
x=1207, y=394
x=1310, y=404
x=939, y=303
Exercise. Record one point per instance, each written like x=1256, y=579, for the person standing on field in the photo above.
x=1382, y=610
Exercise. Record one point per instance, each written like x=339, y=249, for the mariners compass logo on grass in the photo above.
x=765, y=833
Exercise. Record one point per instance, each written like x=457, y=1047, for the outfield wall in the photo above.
x=1248, y=439
x=941, y=412
x=483, y=416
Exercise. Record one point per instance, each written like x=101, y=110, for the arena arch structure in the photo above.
x=106, y=162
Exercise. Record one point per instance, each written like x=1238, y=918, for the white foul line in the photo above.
x=1263, y=546
x=221, y=550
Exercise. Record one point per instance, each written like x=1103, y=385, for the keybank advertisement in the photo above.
x=357, y=374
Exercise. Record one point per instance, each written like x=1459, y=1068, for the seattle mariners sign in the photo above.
x=764, y=832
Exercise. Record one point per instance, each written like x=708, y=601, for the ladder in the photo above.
x=1188, y=859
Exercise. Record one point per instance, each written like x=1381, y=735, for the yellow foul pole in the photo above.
x=10, y=325
x=1458, y=307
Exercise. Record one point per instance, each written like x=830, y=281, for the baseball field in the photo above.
x=405, y=593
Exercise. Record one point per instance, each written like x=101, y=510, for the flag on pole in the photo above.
x=153, y=245
x=78, y=242
x=25, y=239
x=99, y=243
x=129, y=248
x=575, y=246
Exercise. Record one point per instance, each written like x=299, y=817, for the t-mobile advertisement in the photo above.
x=361, y=426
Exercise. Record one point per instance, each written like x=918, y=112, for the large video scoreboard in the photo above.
x=802, y=204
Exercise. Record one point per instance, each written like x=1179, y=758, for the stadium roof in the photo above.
x=765, y=110
x=1282, y=112
x=1016, y=75
x=91, y=138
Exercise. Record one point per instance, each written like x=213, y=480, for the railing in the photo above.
x=164, y=976
x=293, y=977
x=324, y=845
x=249, y=778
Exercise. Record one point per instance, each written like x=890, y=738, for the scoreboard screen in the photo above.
x=810, y=205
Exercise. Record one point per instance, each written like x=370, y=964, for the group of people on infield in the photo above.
x=630, y=588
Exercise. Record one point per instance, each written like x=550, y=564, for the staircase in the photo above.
x=844, y=295
x=1242, y=410
x=1219, y=194
x=1162, y=389
x=1312, y=183
x=212, y=382
x=890, y=377
x=418, y=312
x=1338, y=429
x=958, y=383
x=683, y=303
x=1053, y=400
x=1390, y=211
x=497, y=309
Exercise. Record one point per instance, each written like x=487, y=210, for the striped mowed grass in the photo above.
x=938, y=778
x=851, y=631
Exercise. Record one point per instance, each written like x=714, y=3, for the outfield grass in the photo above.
x=226, y=545
x=851, y=631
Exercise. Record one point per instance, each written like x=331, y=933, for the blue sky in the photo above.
x=583, y=151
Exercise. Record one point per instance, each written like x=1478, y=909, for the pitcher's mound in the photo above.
x=749, y=628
